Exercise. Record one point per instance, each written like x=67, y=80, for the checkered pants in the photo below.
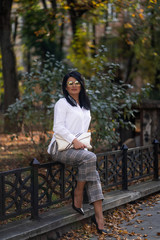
x=86, y=163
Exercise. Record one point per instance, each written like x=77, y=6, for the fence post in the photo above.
x=34, y=188
x=124, y=148
x=62, y=180
x=155, y=164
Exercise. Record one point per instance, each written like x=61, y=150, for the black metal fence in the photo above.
x=27, y=190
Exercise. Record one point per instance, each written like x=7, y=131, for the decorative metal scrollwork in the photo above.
x=17, y=192
x=26, y=190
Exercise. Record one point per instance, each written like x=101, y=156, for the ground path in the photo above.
x=141, y=222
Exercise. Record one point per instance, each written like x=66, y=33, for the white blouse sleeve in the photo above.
x=60, y=111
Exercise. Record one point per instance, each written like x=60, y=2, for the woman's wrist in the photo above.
x=74, y=140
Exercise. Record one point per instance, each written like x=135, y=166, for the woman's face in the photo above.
x=73, y=87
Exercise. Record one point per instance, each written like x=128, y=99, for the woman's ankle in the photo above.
x=100, y=221
x=78, y=198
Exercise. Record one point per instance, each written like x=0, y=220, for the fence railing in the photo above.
x=27, y=190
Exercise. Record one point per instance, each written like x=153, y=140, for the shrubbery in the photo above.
x=111, y=100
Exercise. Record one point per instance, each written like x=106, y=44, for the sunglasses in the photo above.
x=70, y=83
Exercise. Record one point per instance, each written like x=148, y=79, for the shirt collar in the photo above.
x=72, y=100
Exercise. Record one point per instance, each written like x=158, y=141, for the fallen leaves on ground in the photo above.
x=113, y=219
x=17, y=150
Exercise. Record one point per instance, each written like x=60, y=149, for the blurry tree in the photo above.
x=46, y=21
x=132, y=39
x=84, y=45
x=138, y=41
x=44, y=33
x=77, y=9
x=11, y=91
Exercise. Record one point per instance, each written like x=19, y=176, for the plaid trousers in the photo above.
x=86, y=164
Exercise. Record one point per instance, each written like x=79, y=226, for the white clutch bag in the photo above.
x=62, y=144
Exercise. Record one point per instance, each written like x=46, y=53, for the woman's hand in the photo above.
x=78, y=145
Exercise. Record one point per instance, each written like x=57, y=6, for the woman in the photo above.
x=72, y=116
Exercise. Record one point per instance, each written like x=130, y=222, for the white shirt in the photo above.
x=69, y=120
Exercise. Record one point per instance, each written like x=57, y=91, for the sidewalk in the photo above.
x=54, y=223
x=145, y=225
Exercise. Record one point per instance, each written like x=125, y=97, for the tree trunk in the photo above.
x=11, y=91
x=28, y=61
x=94, y=40
x=62, y=37
x=73, y=18
x=129, y=68
x=54, y=4
x=75, y=14
x=44, y=4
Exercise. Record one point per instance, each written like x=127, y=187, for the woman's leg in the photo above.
x=94, y=189
x=84, y=160
x=87, y=174
x=99, y=214
x=86, y=163
x=95, y=197
x=78, y=194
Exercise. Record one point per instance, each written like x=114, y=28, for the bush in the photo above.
x=34, y=111
x=111, y=100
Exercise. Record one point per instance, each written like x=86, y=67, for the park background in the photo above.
x=114, y=44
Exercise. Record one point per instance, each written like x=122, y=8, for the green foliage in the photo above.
x=39, y=31
x=34, y=111
x=132, y=39
x=111, y=99
x=80, y=51
x=139, y=36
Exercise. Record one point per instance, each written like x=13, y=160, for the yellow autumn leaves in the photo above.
x=153, y=1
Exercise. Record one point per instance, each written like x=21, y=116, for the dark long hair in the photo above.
x=83, y=98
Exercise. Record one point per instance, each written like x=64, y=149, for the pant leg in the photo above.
x=84, y=160
x=94, y=190
x=86, y=163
